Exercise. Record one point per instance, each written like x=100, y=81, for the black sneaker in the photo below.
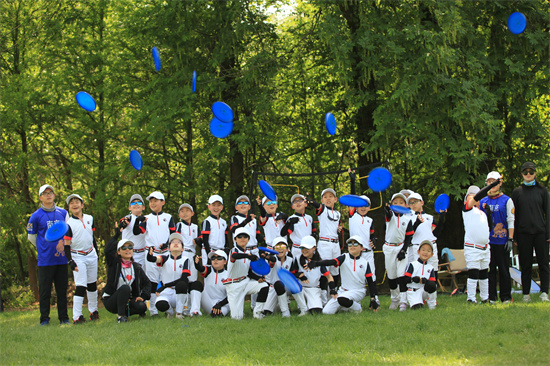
x=122, y=319
x=45, y=322
x=80, y=320
x=94, y=316
x=64, y=322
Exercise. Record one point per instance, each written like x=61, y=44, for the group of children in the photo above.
x=173, y=256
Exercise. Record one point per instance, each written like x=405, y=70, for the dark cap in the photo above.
x=528, y=165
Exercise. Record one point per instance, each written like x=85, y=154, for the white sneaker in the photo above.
x=544, y=297
x=303, y=313
x=402, y=306
x=394, y=305
x=258, y=315
x=179, y=316
x=286, y=314
x=185, y=311
x=527, y=298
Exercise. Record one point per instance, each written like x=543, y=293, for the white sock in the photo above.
x=92, y=301
x=152, y=308
x=484, y=289
x=403, y=297
x=195, y=301
x=283, y=302
x=472, y=287
x=77, y=306
x=394, y=295
x=181, y=301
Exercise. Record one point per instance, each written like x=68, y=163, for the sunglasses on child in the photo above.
x=240, y=236
x=136, y=203
x=530, y=172
x=243, y=203
x=298, y=201
x=269, y=203
x=217, y=258
x=127, y=247
x=280, y=246
x=353, y=244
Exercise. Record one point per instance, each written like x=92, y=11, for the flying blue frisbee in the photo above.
x=86, y=101
x=379, y=179
x=222, y=111
x=194, y=81
x=156, y=58
x=442, y=202
x=289, y=280
x=330, y=123
x=56, y=231
x=352, y=201
x=220, y=129
x=517, y=23
x=260, y=267
x=271, y=251
x=135, y=160
x=267, y=190
x=400, y=209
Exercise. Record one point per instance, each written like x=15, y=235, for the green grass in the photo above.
x=456, y=333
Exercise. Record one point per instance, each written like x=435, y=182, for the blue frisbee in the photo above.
x=260, y=267
x=400, y=209
x=194, y=81
x=267, y=190
x=289, y=280
x=86, y=101
x=442, y=202
x=135, y=160
x=379, y=179
x=517, y=23
x=330, y=123
x=220, y=129
x=156, y=58
x=222, y=111
x=352, y=201
x=56, y=231
x=271, y=251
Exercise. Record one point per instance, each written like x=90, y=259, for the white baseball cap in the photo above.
x=357, y=238
x=74, y=195
x=279, y=240
x=365, y=198
x=122, y=242
x=406, y=191
x=493, y=175
x=243, y=197
x=44, y=187
x=157, y=195
x=328, y=190
x=396, y=195
x=175, y=236
x=186, y=205
x=218, y=252
x=297, y=195
x=135, y=197
x=471, y=190
x=239, y=231
x=428, y=242
x=308, y=242
x=414, y=196
x=215, y=198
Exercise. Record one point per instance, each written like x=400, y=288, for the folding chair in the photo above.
x=456, y=264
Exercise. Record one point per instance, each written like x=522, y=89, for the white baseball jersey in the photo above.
x=189, y=231
x=361, y=226
x=128, y=233
x=313, y=275
x=354, y=271
x=81, y=233
x=420, y=269
x=172, y=268
x=213, y=284
x=424, y=230
x=272, y=276
x=272, y=228
x=329, y=219
x=216, y=228
x=397, y=227
x=251, y=228
x=157, y=229
x=237, y=268
x=476, y=226
x=301, y=228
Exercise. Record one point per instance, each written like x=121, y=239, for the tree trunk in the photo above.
x=33, y=274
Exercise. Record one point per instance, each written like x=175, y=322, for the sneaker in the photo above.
x=286, y=314
x=544, y=297
x=493, y=302
x=431, y=307
x=303, y=313
x=258, y=315
x=507, y=301
x=122, y=319
x=80, y=320
x=526, y=298
x=94, y=316
x=186, y=311
x=64, y=322
x=394, y=305
x=484, y=301
x=45, y=322
x=470, y=301
x=179, y=316
x=402, y=306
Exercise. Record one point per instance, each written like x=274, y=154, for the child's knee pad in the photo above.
x=262, y=295
x=279, y=288
x=92, y=287
x=473, y=274
x=430, y=287
x=80, y=291
x=484, y=274
x=162, y=305
x=154, y=286
x=393, y=284
x=197, y=286
x=323, y=283
x=345, y=302
x=402, y=284
x=181, y=287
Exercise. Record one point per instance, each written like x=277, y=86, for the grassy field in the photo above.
x=456, y=333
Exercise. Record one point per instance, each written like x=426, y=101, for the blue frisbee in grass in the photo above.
x=222, y=111
x=330, y=123
x=156, y=58
x=260, y=267
x=135, y=160
x=442, y=202
x=220, y=129
x=56, y=231
x=517, y=22
x=352, y=201
x=289, y=280
x=267, y=190
x=400, y=209
x=194, y=81
x=271, y=251
x=86, y=101
x=379, y=179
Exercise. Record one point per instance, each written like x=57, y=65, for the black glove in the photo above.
x=333, y=292
x=402, y=254
x=373, y=304
x=312, y=264
x=140, y=219
x=123, y=223
x=281, y=216
x=416, y=279
x=293, y=220
x=164, y=246
x=72, y=264
x=509, y=245
x=303, y=278
x=151, y=258
x=253, y=257
x=218, y=306
x=161, y=288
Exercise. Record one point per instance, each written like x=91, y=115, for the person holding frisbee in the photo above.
x=131, y=230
